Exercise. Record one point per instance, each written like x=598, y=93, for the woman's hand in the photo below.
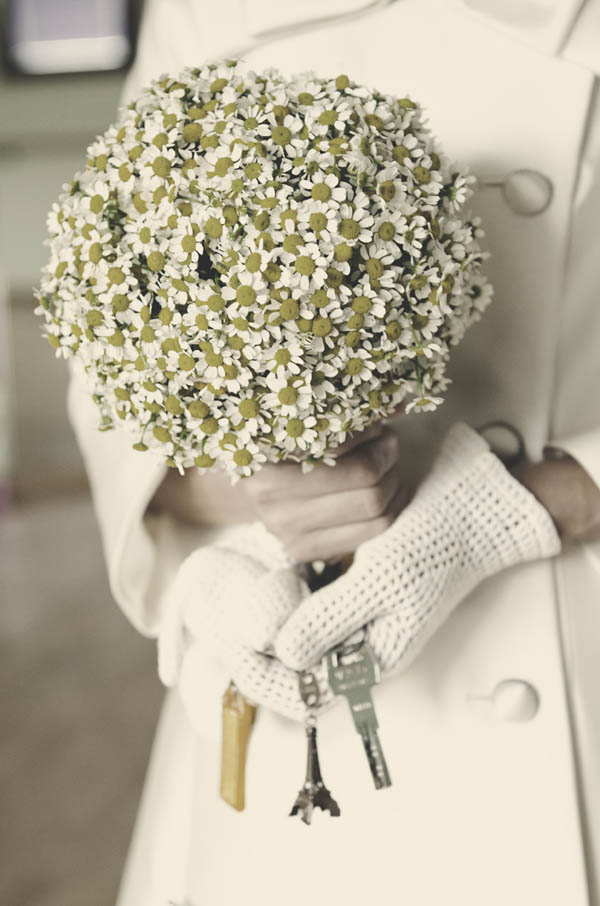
x=328, y=512
x=318, y=515
x=566, y=490
x=202, y=499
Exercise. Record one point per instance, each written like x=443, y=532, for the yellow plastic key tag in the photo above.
x=238, y=717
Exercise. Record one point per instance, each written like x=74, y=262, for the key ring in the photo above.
x=347, y=648
x=309, y=689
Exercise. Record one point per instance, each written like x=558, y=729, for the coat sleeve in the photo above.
x=141, y=553
x=122, y=484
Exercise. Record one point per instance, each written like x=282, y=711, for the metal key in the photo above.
x=353, y=671
x=314, y=793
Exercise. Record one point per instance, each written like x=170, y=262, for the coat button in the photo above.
x=515, y=700
x=527, y=192
x=511, y=701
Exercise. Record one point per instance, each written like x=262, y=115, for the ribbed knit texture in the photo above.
x=468, y=520
x=232, y=606
x=224, y=608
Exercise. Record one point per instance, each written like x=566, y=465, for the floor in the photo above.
x=77, y=713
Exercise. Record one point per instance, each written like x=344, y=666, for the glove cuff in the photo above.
x=499, y=520
x=525, y=523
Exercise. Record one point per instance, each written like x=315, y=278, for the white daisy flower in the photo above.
x=289, y=395
x=413, y=237
x=318, y=219
x=139, y=234
x=283, y=359
x=327, y=189
x=296, y=434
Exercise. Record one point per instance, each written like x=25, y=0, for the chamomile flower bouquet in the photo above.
x=252, y=266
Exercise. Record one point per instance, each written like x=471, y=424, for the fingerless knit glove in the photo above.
x=468, y=520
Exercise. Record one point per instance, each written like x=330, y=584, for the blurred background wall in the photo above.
x=79, y=690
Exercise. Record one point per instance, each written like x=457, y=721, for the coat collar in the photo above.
x=544, y=24
x=265, y=18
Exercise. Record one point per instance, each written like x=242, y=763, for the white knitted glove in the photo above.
x=224, y=609
x=468, y=520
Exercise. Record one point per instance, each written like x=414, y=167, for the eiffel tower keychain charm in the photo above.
x=314, y=793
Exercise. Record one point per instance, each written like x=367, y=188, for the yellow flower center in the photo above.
x=305, y=265
x=161, y=166
x=245, y=296
x=295, y=427
x=116, y=275
x=321, y=327
x=249, y=408
x=96, y=203
x=198, y=409
x=156, y=261
x=281, y=135
x=321, y=192
x=386, y=231
x=317, y=222
x=287, y=396
x=242, y=458
x=192, y=132
x=209, y=426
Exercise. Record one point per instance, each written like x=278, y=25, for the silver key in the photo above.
x=353, y=671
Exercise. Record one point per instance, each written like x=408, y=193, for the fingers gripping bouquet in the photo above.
x=249, y=268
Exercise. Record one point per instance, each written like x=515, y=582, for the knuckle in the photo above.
x=257, y=489
x=302, y=550
x=393, y=444
x=388, y=450
x=293, y=549
x=368, y=469
x=401, y=500
x=276, y=522
x=381, y=524
x=264, y=485
x=373, y=502
x=378, y=463
x=385, y=521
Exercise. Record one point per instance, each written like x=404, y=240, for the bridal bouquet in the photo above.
x=252, y=266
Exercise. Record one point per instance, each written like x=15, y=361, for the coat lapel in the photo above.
x=544, y=24
x=268, y=18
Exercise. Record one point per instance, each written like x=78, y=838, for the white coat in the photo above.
x=493, y=735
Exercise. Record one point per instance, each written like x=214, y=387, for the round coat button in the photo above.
x=527, y=192
x=515, y=700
